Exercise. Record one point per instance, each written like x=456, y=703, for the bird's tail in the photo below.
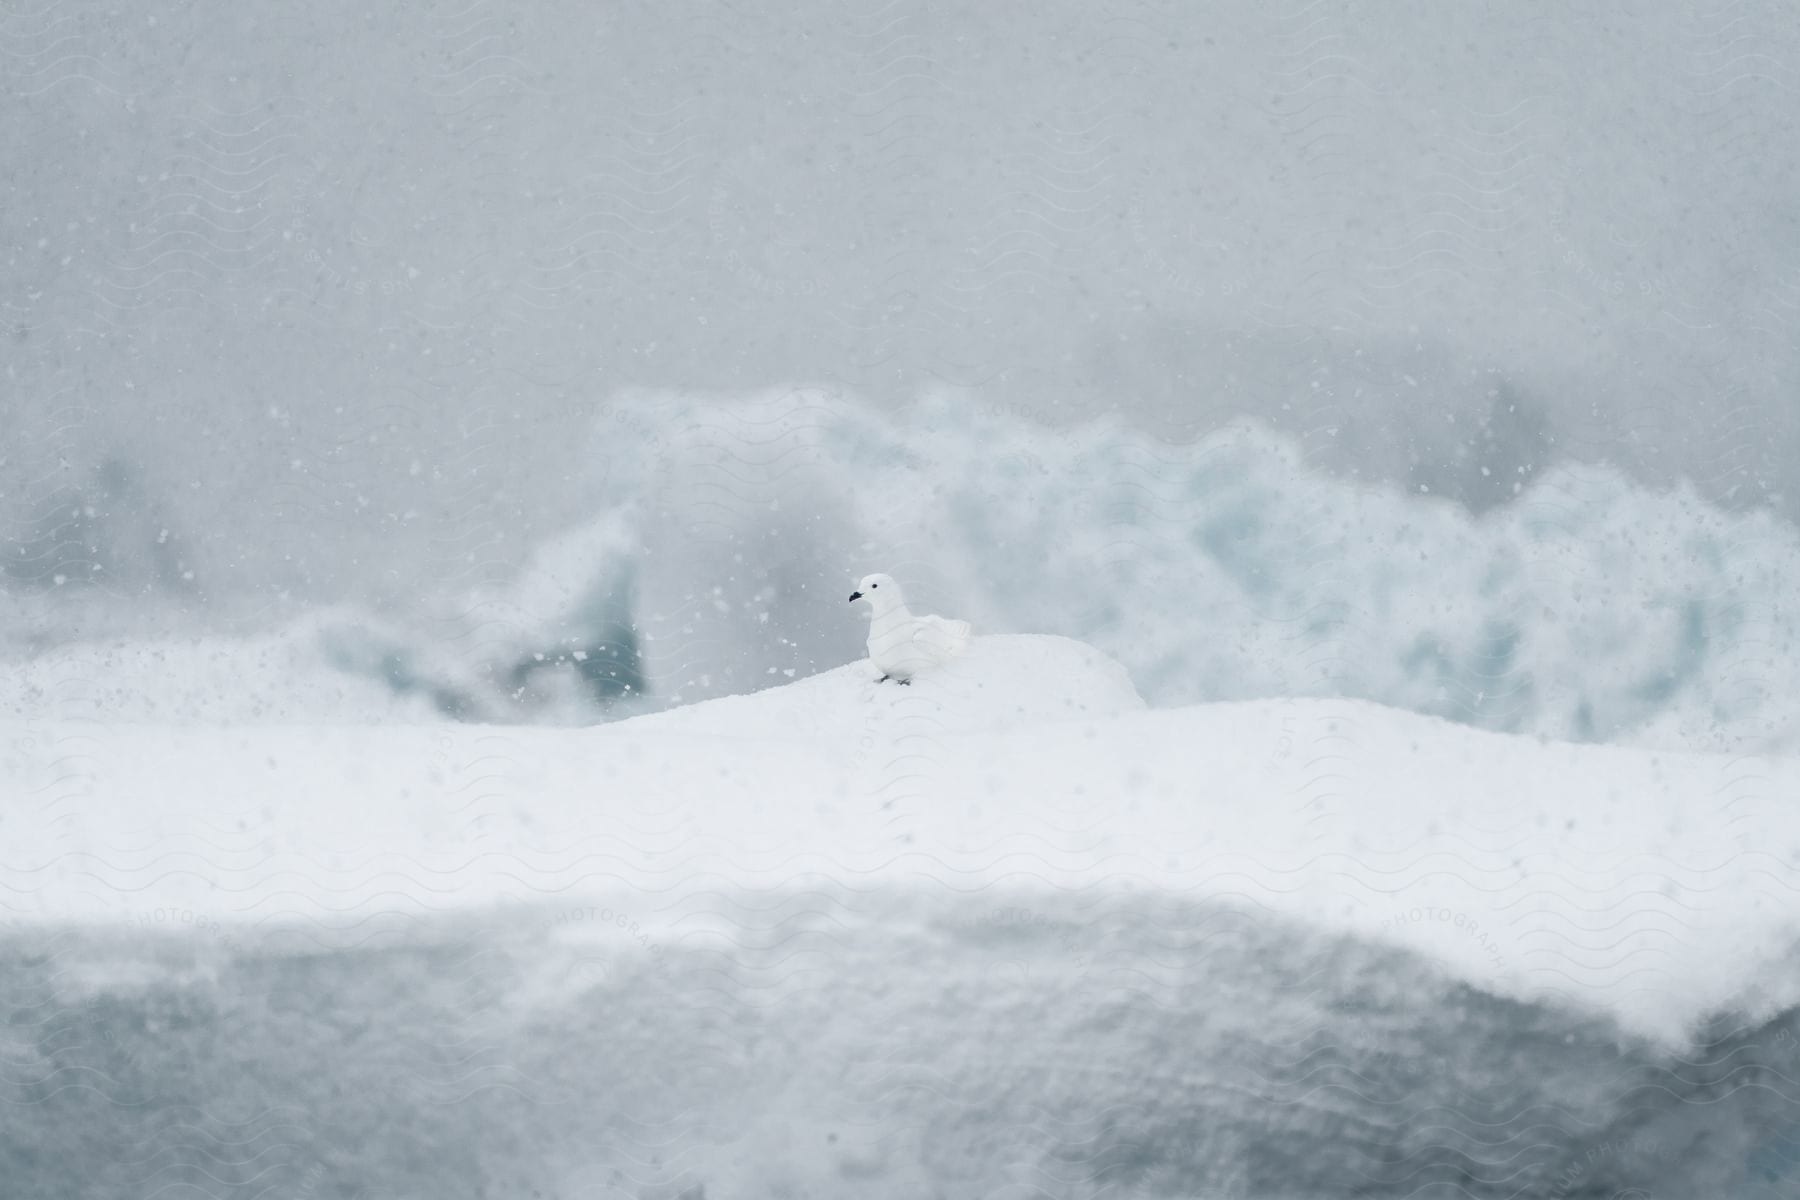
x=960, y=633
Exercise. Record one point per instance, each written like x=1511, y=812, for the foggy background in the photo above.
x=317, y=303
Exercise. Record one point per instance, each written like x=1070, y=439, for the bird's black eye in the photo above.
x=873, y=586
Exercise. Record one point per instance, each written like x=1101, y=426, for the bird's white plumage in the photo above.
x=901, y=644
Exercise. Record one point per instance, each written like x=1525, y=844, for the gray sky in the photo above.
x=343, y=287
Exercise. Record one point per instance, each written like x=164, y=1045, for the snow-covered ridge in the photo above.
x=1654, y=887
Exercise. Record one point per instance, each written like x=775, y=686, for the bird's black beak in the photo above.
x=855, y=596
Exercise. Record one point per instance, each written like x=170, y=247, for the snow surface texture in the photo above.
x=1656, y=888
x=1590, y=609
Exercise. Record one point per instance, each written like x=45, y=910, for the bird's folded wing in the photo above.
x=944, y=638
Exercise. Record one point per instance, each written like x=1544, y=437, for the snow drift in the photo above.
x=1655, y=888
x=1006, y=927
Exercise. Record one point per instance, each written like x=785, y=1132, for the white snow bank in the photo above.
x=1656, y=887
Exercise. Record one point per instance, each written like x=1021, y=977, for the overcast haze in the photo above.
x=342, y=288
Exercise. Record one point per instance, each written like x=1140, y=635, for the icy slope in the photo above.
x=845, y=1041
x=1653, y=887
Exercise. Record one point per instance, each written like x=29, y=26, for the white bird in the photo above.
x=900, y=644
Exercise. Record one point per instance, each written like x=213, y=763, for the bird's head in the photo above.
x=876, y=588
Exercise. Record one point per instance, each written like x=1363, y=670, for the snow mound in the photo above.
x=1000, y=680
x=1658, y=888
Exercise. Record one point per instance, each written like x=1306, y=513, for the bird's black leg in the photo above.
x=884, y=679
x=906, y=683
